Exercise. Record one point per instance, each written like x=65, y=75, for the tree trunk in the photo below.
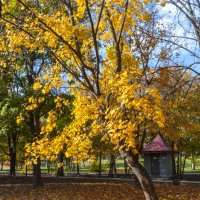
x=193, y=166
x=12, y=162
x=100, y=165
x=113, y=170
x=77, y=169
x=183, y=169
x=193, y=163
x=60, y=170
x=48, y=166
x=2, y=163
x=26, y=173
x=178, y=166
x=37, y=179
x=141, y=174
x=12, y=146
x=34, y=126
x=125, y=168
x=174, y=175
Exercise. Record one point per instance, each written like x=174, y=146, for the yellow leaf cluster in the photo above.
x=125, y=105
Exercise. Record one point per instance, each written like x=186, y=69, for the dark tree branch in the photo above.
x=94, y=36
x=123, y=22
x=116, y=43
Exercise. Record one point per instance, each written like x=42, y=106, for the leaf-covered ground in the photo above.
x=95, y=191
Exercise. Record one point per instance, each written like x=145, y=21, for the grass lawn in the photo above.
x=188, y=165
x=96, y=191
x=105, y=167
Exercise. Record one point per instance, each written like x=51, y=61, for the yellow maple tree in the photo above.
x=89, y=41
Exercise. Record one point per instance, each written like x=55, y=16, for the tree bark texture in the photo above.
x=2, y=163
x=12, y=145
x=77, y=169
x=34, y=126
x=37, y=179
x=141, y=174
x=12, y=163
x=60, y=170
x=113, y=170
x=100, y=165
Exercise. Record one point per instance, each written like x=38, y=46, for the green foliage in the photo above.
x=94, y=167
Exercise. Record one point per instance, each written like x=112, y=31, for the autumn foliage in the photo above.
x=114, y=96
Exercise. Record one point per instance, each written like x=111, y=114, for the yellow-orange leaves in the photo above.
x=115, y=104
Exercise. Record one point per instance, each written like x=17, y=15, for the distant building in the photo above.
x=158, y=158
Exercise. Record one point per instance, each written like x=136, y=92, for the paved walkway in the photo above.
x=181, y=182
x=48, y=180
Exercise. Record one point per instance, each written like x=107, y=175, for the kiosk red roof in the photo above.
x=158, y=145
